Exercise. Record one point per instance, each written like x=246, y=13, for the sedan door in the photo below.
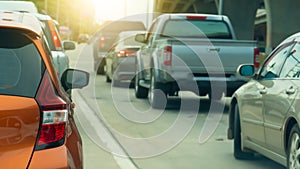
x=280, y=97
x=260, y=96
x=251, y=112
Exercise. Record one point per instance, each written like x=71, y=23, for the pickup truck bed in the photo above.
x=200, y=60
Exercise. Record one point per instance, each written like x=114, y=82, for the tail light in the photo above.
x=196, y=17
x=56, y=41
x=101, y=42
x=125, y=53
x=55, y=36
x=54, y=116
x=167, y=56
x=256, y=58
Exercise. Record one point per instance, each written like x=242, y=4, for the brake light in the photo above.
x=101, y=42
x=256, y=58
x=196, y=17
x=125, y=53
x=54, y=116
x=56, y=41
x=167, y=56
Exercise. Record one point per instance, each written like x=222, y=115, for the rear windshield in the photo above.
x=197, y=28
x=21, y=65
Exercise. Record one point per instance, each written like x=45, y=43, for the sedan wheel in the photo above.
x=293, y=159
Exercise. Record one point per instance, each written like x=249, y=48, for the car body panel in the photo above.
x=252, y=120
x=19, y=124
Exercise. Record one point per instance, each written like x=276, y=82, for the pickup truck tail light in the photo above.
x=125, y=53
x=167, y=56
x=256, y=58
x=54, y=115
x=196, y=17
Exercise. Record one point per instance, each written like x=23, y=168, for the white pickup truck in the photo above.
x=191, y=52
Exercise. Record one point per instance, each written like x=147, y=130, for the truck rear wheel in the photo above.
x=140, y=91
x=157, y=95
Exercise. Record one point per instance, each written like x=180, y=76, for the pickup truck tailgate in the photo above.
x=214, y=56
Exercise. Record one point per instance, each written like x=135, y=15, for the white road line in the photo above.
x=102, y=132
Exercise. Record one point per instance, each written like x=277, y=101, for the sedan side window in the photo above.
x=272, y=66
x=291, y=67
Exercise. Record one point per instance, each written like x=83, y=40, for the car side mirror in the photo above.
x=69, y=45
x=246, y=70
x=74, y=79
x=140, y=38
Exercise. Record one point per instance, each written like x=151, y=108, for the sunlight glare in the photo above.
x=109, y=9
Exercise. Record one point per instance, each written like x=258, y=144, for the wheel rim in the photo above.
x=294, y=156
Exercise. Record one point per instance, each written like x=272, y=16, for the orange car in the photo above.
x=37, y=129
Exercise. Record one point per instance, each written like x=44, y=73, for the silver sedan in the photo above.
x=264, y=113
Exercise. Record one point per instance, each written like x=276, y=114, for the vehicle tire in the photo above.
x=116, y=83
x=101, y=69
x=157, y=95
x=293, y=151
x=237, y=146
x=107, y=79
x=140, y=91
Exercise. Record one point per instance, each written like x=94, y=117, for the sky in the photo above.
x=117, y=9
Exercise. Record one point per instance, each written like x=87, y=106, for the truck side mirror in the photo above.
x=140, y=38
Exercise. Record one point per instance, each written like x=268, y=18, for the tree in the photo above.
x=78, y=15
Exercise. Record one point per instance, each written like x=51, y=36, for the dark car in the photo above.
x=264, y=113
x=106, y=36
x=120, y=59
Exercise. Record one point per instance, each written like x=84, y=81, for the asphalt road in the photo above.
x=120, y=131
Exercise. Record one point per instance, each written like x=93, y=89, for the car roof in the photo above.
x=43, y=17
x=21, y=6
x=22, y=21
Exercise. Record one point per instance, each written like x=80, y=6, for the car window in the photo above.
x=19, y=62
x=197, y=28
x=291, y=67
x=273, y=64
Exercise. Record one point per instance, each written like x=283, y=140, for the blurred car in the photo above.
x=120, y=59
x=20, y=6
x=264, y=113
x=83, y=38
x=105, y=38
x=36, y=120
x=57, y=48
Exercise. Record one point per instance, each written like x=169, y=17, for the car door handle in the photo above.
x=290, y=91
